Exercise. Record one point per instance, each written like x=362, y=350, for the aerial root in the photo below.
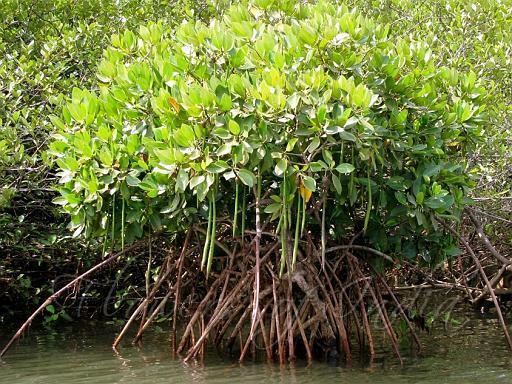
x=484, y=277
x=314, y=310
x=66, y=288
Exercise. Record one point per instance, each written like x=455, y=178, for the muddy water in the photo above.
x=468, y=350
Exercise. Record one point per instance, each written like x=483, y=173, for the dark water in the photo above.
x=472, y=353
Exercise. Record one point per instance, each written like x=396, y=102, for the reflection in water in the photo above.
x=475, y=353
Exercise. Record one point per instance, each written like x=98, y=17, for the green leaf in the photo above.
x=234, y=128
x=317, y=166
x=291, y=144
x=308, y=34
x=77, y=111
x=106, y=157
x=327, y=155
x=347, y=136
x=280, y=167
x=293, y=101
x=397, y=183
x=223, y=150
x=420, y=217
x=345, y=168
x=400, y=197
x=434, y=202
x=132, y=181
x=57, y=122
x=336, y=182
x=247, y=177
x=104, y=132
x=452, y=251
x=309, y=183
x=225, y=103
x=437, y=202
x=321, y=113
x=181, y=181
x=409, y=249
x=315, y=143
x=222, y=133
x=196, y=180
x=64, y=315
x=217, y=166
x=333, y=129
x=273, y=208
x=420, y=196
x=173, y=206
x=165, y=156
x=184, y=136
x=432, y=169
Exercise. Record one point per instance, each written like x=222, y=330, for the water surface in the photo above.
x=473, y=353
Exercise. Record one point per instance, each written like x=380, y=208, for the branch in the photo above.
x=361, y=248
x=492, y=198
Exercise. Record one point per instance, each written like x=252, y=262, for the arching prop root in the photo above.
x=63, y=290
x=318, y=310
x=488, y=284
x=315, y=311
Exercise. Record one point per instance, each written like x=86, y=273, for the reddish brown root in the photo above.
x=243, y=307
x=312, y=312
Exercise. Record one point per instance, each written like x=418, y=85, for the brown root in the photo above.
x=64, y=289
x=245, y=308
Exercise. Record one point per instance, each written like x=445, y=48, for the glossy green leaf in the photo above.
x=247, y=177
x=345, y=168
x=280, y=167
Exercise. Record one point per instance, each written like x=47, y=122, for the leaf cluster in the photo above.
x=321, y=108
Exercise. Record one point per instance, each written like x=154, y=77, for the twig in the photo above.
x=492, y=198
x=492, y=216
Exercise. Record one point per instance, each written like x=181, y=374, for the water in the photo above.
x=472, y=353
